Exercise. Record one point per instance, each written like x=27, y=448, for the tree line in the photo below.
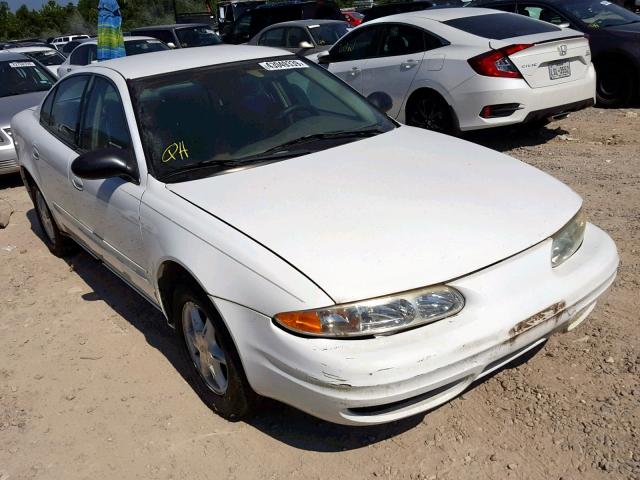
x=54, y=19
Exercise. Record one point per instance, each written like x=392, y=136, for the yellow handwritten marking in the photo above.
x=173, y=151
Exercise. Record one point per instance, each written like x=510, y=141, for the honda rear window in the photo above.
x=498, y=26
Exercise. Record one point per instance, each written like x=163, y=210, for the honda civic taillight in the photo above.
x=496, y=63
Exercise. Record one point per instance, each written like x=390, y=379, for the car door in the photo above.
x=55, y=147
x=109, y=208
x=392, y=71
x=348, y=57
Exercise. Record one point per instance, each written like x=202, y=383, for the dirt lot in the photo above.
x=91, y=385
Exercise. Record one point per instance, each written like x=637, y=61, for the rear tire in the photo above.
x=55, y=240
x=217, y=373
x=428, y=110
x=614, y=83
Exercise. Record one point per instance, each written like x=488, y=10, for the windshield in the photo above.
x=197, y=37
x=235, y=115
x=19, y=77
x=47, y=57
x=136, y=47
x=598, y=14
x=329, y=33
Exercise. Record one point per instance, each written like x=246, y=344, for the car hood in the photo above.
x=9, y=106
x=632, y=29
x=401, y=210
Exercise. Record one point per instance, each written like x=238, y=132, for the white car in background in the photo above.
x=49, y=57
x=86, y=53
x=466, y=68
x=60, y=42
x=360, y=270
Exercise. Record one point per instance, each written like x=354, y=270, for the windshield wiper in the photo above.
x=224, y=165
x=370, y=132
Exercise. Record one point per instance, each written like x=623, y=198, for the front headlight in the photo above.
x=568, y=239
x=381, y=315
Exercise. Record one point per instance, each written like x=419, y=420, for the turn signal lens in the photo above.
x=378, y=316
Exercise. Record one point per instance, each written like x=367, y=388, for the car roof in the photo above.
x=171, y=26
x=305, y=23
x=437, y=14
x=33, y=49
x=91, y=41
x=167, y=61
x=8, y=55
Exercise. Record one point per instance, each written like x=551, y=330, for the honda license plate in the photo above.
x=559, y=70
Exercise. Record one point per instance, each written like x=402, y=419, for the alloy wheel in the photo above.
x=204, y=348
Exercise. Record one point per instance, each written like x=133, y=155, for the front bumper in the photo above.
x=8, y=156
x=383, y=379
x=469, y=98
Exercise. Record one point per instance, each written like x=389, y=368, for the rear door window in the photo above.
x=165, y=35
x=293, y=37
x=65, y=112
x=401, y=40
x=499, y=26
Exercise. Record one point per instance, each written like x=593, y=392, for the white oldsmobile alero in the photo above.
x=304, y=246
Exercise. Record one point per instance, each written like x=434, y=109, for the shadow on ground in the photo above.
x=279, y=421
x=507, y=138
x=10, y=180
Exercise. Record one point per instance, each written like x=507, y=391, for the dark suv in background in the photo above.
x=253, y=21
x=181, y=35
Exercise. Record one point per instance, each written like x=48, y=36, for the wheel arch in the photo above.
x=616, y=55
x=432, y=89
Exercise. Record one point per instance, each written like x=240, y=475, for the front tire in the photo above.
x=218, y=376
x=614, y=83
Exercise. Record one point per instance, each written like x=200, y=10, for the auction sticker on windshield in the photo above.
x=21, y=64
x=283, y=64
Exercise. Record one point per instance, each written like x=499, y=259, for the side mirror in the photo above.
x=382, y=101
x=305, y=45
x=324, y=58
x=171, y=45
x=105, y=163
x=564, y=25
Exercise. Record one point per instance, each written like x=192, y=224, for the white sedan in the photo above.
x=49, y=57
x=304, y=246
x=466, y=68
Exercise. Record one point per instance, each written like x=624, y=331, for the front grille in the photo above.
x=7, y=137
x=8, y=164
x=408, y=402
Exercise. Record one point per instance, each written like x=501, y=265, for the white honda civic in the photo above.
x=463, y=69
x=304, y=246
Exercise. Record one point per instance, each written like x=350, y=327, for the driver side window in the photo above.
x=541, y=13
x=359, y=45
x=104, y=124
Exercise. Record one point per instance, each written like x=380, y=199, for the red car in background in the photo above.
x=354, y=18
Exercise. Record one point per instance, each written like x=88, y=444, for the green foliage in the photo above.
x=54, y=19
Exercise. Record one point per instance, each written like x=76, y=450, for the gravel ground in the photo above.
x=92, y=385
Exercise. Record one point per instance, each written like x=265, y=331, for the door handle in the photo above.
x=354, y=71
x=34, y=153
x=409, y=64
x=77, y=183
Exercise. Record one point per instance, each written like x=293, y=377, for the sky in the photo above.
x=15, y=4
